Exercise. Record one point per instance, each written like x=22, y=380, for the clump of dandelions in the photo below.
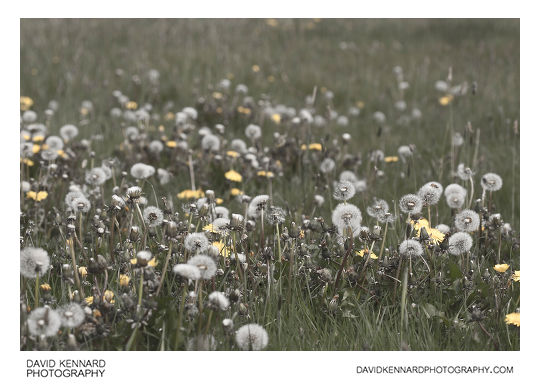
x=344, y=191
x=218, y=300
x=430, y=193
x=206, y=265
x=251, y=337
x=196, y=242
x=411, y=204
x=347, y=216
x=153, y=216
x=491, y=182
x=34, y=261
x=44, y=321
x=187, y=271
x=410, y=248
x=71, y=315
x=459, y=243
x=467, y=221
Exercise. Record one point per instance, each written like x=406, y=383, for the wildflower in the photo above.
x=153, y=216
x=96, y=176
x=266, y=174
x=83, y=271
x=37, y=196
x=220, y=225
x=44, y=321
x=501, y=268
x=464, y=173
x=404, y=152
x=188, y=271
x=411, y=204
x=378, y=208
x=71, y=315
x=430, y=193
x=236, y=192
x=155, y=147
x=364, y=252
x=457, y=140
x=142, y=171
x=512, y=318
x=347, y=216
x=516, y=276
x=232, y=175
x=491, y=182
x=196, y=242
x=467, y=221
x=218, y=300
x=445, y=100
x=379, y=117
x=123, y=280
x=376, y=156
x=190, y=194
x=206, y=266
x=108, y=296
x=348, y=176
x=26, y=103
x=327, y=165
x=251, y=337
x=34, y=261
x=69, y=132
x=391, y=159
x=344, y=191
x=459, y=243
x=210, y=143
x=45, y=287
x=410, y=248
x=315, y=147
x=222, y=212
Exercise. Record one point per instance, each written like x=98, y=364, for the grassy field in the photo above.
x=448, y=303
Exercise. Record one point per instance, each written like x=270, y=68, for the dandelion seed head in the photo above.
x=44, y=321
x=222, y=212
x=377, y=208
x=327, y=165
x=153, y=216
x=155, y=147
x=348, y=176
x=142, y=171
x=132, y=133
x=210, y=142
x=80, y=204
x=257, y=205
x=467, y=221
x=491, y=182
x=464, y=173
x=459, y=243
x=411, y=204
x=206, y=265
x=452, y=189
x=96, y=176
x=251, y=337
x=196, y=242
x=276, y=215
x=71, y=315
x=218, y=300
x=253, y=132
x=344, y=190
x=411, y=248
x=455, y=200
x=443, y=228
x=34, y=261
x=187, y=271
x=238, y=145
x=347, y=216
x=430, y=193
x=69, y=132
x=54, y=143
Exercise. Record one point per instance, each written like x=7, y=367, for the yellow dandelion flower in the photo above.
x=36, y=148
x=219, y=110
x=96, y=312
x=89, y=300
x=303, y=147
x=153, y=262
x=445, y=100
x=83, y=271
x=169, y=116
x=255, y=68
x=435, y=235
x=131, y=105
x=210, y=228
x=223, y=249
x=232, y=175
x=26, y=103
x=27, y=162
x=191, y=194
x=161, y=128
x=62, y=154
x=363, y=252
x=276, y=118
x=267, y=174
x=171, y=144
x=419, y=224
x=37, y=196
x=360, y=104
x=272, y=23
x=219, y=200
x=45, y=287
x=233, y=154
x=217, y=95
x=315, y=147
x=236, y=192
x=44, y=146
x=501, y=267
x=243, y=110
x=123, y=280
x=512, y=318
x=108, y=296
x=391, y=159
x=516, y=276
x=133, y=261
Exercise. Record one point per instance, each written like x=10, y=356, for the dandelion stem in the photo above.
x=37, y=291
x=164, y=272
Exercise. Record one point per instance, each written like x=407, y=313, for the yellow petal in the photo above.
x=513, y=318
x=232, y=175
x=501, y=267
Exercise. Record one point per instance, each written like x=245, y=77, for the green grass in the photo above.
x=75, y=60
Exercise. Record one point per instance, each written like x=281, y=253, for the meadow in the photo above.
x=307, y=184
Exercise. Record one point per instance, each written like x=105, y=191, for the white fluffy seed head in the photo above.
x=410, y=248
x=467, y=221
x=187, y=271
x=251, y=337
x=459, y=243
x=206, y=266
x=491, y=182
